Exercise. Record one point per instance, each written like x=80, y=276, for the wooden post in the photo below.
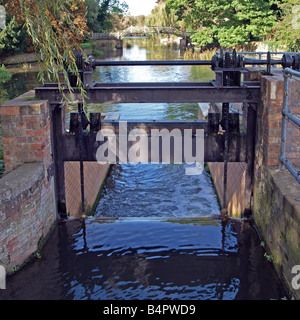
x=57, y=131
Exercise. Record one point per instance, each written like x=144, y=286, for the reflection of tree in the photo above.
x=17, y=85
x=201, y=73
x=186, y=111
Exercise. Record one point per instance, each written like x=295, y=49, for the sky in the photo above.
x=140, y=7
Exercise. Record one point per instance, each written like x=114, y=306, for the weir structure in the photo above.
x=36, y=146
x=223, y=140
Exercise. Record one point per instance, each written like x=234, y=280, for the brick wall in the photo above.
x=27, y=195
x=25, y=131
x=270, y=120
x=276, y=210
x=27, y=213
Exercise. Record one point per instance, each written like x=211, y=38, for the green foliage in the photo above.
x=225, y=23
x=100, y=14
x=86, y=45
x=56, y=29
x=5, y=75
x=13, y=38
x=287, y=31
x=161, y=16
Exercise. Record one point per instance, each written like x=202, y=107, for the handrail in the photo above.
x=287, y=115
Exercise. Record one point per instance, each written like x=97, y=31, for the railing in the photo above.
x=105, y=35
x=290, y=134
x=141, y=30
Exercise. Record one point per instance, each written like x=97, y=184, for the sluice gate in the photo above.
x=223, y=139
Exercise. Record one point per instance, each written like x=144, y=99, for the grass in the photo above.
x=31, y=98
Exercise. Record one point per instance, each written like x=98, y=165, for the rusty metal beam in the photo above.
x=173, y=92
x=213, y=144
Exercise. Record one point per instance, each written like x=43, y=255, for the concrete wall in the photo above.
x=276, y=210
x=27, y=198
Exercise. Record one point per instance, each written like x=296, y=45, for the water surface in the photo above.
x=200, y=259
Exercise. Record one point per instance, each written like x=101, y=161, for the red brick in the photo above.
x=276, y=103
x=274, y=140
x=274, y=147
x=31, y=132
x=275, y=132
x=39, y=154
x=10, y=167
x=275, y=110
x=275, y=121
x=36, y=146
x=8, y=140
x=9, y=111
x=12, y=242
x=21, y=140
x=273, y=154
x=273, y=162
x=36, y=139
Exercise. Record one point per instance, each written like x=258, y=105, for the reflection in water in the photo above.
x=19, y=84
x=200, y=259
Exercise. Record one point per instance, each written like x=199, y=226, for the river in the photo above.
x=166, y=243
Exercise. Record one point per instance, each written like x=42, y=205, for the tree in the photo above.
x=12, y=37
x=161, y=16
x=56, y=28
x=100, y=14
x=287, y=30
x=225, y=23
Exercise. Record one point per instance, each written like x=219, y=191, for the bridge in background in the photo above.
x=142, y=31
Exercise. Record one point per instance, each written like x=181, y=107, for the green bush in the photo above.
x=86, y=45
x=13, y=38
x=5, y=75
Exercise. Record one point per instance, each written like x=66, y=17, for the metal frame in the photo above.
x=173, y=92
x=287, y=115
x=226, y=146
